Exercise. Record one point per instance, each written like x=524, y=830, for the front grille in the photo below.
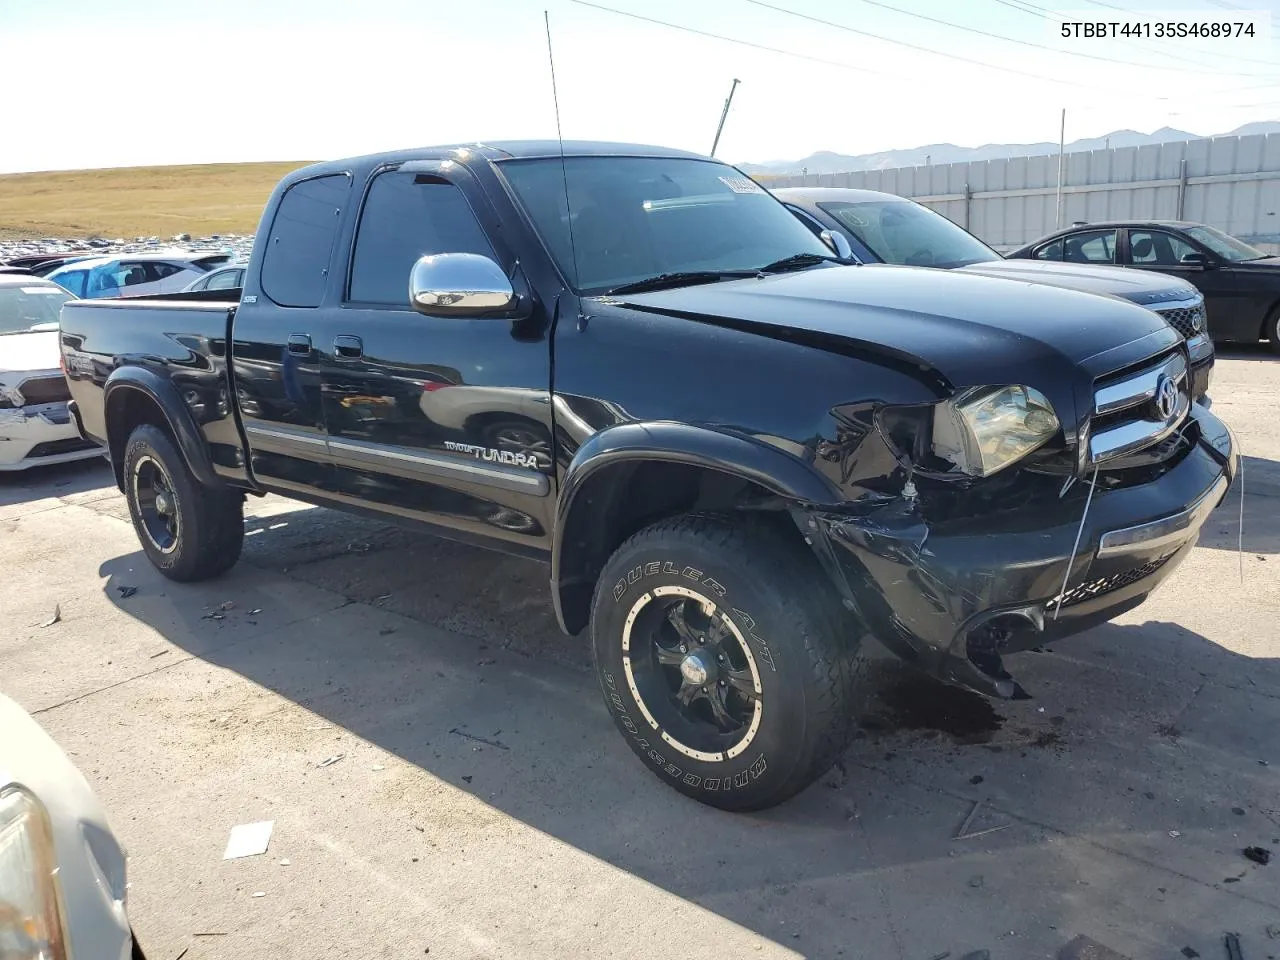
x=1105, y=585
x=1138, y=410
x=51, y=448
x=44, y=390
x=1188, y=321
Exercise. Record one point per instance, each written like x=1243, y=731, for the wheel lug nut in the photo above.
x=684, y=648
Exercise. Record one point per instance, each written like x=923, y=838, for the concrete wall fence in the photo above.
x=1232, y=183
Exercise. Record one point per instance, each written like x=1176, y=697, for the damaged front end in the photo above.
x=957, y=547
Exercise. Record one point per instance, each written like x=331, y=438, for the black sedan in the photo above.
x=1241, y=285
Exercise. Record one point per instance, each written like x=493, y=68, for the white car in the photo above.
x=230, y=277
x=63, y=888
x=35, y=424
x=135, y=274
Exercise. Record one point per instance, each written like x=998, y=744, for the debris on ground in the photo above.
x=1273, y=931
x=127, y=592
x=185, y=951
x=977, y=955
x=358, y=547
x=976, y=882
x=964, y=834
x=385, y=596
x=330, y=761
x=486, y=662
x=160, y=654
x=1086, y=948
x=377, y=767
x=260, y=893
x=942, y=956
x=57, y=616
x=468, y=779
x=249, y=840
x=255, y=611
x=1238, y=811
x=1175, y=834
x=471, y=736
x=286, y=863
x=1259, y=855
x=386, y=631
x=226, y=605
x=1232, y=943
x=1189, y=953
x=213, y=616
x=976, y=779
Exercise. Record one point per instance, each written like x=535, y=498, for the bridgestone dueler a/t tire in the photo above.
x=211, y=522
x=804, y=644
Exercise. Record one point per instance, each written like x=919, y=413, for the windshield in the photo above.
x=637, y=217
x=1224, y=245
x=25, y=307
x=899, y=231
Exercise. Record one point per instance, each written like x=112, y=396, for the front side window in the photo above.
x=1158, y=248
x=407, y=216
x=1050, y=251
x=1093, y=246
x=73, y=281
x=1223, y=244
x=223, y=280
x=637, y=217
x=902, y=232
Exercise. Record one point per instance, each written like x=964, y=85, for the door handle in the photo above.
x=300, y=344
x=347, y=347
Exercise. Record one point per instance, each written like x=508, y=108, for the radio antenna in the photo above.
x=564, y=174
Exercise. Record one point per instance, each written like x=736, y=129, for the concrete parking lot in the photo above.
x=484, y=807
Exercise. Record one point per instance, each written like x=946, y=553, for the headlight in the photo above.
x=986, y=429
x=30, y=916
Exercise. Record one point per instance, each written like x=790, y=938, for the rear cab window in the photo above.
x=301, y=241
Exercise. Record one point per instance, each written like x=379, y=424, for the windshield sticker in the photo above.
x=742, y=185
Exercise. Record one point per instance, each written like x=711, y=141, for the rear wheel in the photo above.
x=1273, y=329
x=726, y=659
x=188, y=532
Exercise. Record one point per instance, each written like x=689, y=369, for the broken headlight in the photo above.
x=30, y=914
x=986, y=429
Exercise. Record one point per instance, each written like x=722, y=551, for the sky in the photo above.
x=135, y=82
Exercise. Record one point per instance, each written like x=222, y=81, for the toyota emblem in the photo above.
x=1166, y=397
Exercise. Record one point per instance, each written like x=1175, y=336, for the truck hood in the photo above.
x=1138, y=286
x=28, y=353
x=963, y=329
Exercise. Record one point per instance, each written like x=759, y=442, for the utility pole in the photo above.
x=723, y=114
x=1062, y=140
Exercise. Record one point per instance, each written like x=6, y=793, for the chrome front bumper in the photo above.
x=1167, y=532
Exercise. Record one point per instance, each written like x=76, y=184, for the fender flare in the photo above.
x=164, y=394
x=773, y=469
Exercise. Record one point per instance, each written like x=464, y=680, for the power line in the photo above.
x=1025, y=43
x=744, y=43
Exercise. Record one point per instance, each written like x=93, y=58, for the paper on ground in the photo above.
x=249, y=840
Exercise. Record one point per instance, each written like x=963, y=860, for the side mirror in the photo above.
x=838, y=243
x=460, y=285
x=1196, y=260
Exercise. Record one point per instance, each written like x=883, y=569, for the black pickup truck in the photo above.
x=739, y=455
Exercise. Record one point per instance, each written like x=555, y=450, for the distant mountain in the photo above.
x=824, y=161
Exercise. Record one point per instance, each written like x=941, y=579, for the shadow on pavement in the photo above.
x=1261, y=518
x=1133, y=732
x=57, y=480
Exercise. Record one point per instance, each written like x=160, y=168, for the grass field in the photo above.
x=138, y=201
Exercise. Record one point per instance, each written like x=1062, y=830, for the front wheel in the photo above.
x=1273, y=330
x=188, y=532
x=726, y=659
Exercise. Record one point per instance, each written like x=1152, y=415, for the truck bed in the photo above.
x=169, y=349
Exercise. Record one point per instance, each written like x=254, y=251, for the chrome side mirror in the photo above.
x=459, y=285
x=838, y=243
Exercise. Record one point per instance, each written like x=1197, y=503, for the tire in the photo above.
x=1273, y=329
x=188, y=532
x=770, y=640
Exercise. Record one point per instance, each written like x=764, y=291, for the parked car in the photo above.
x=35, y=426
x=884, y=228
x=1241, y=284
x=135, y=274
x=36, y=262
x=63, y=874
x=772, y=453
x=222, y=278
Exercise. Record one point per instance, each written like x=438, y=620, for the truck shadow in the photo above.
x=448, y=657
